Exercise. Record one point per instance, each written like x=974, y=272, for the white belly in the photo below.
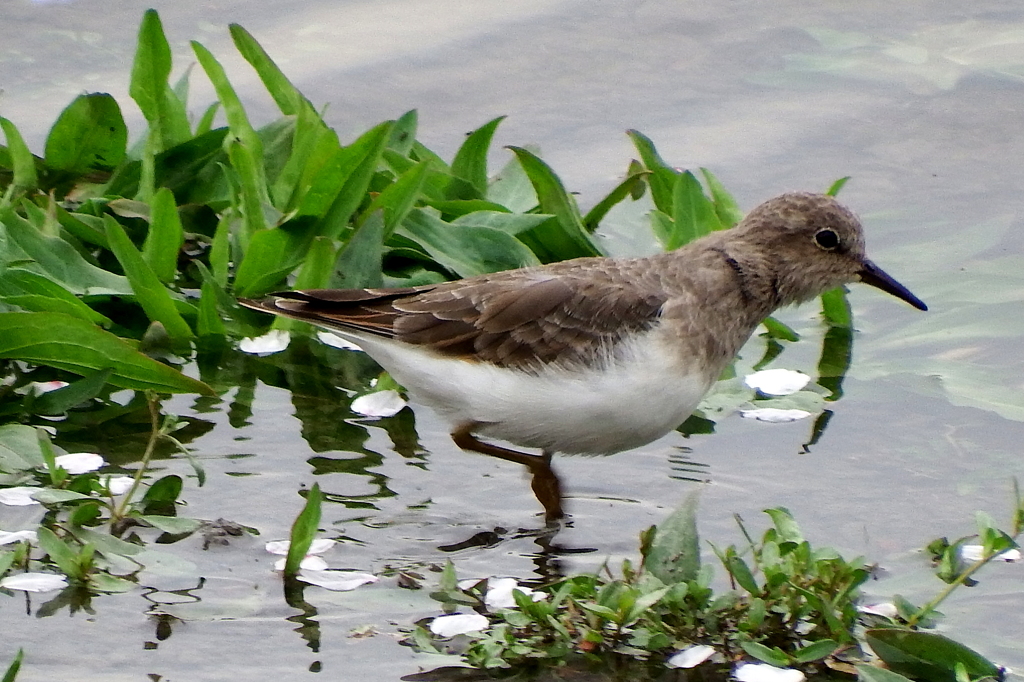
x=642, y=396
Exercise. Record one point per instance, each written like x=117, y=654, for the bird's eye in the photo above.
x=826, y=239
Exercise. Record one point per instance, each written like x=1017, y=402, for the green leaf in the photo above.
x=75, y=393
x=316, y=269
x=510, y=223
x=927, y=655
x=160, y=250
x=208, y=321
x=726, y=208
x=662, y=178
x=470, y=162
x=272, y=255
x=693, y=214
x=89, y=134
x=55, y=259
x=741, y=573
x=624, y=189
x=871, y=673
x=161, y=106
x=777, y=330
x=34, y=292
x=151, y=294
x=111, y=584
x=771, y=656
x=15, y=666
x=834, y=188
x=836, y=308
x=786, y=526
x=69, y=343
x=815, y=651
x=288, y=99
x=359, y=261
x=22, y=160
x=54, y=496
x=304, y=530
x=403, y=133
x=466, y=250
x=19, y=448
x=552, y=198
x=172, y=524
x=398, y=198
x=60, y=553
x=674, y=553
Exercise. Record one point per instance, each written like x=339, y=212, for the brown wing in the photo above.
x=520, y=318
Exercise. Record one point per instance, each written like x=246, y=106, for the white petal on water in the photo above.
x=885, y=609
x=774, y=415
x=762, y=672
x=379, y=404
x=20, y=496
x=459, y=624
x=118, y=485
x=499, y=593
x=977, y=552
x=337, y=581
x=777, y=381
x=308, y=563
x=690, y=657
x=34, y=582
x=274, y=341
x=318, y=546
x=79, y=462
x=331, y=339
x=7, y=538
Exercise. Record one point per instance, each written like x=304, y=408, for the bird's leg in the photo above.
x=545, y=483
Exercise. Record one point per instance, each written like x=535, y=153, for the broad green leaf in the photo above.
x=315, y=272
x=673, y=555
x=341, y=187
x=466, y=250
x=165, y=237
x=553, y=199
x=770, y=655
x=510, y=223
x=662, y=178
x=72, y=344
x=36, y=293
x=871, y=673
x=172, y=524
x=927, y=655
x=272, y=255
x=89, y=134
x=778, y=330
x=512, y=188
x=75, y=393
x=151, y=294
x=164, y=111
x=220, y=251
x=304, y=529
x=726, y=208
x=624, y=189
x=403, y=133
x=15, y=666
x=288, y=99
x=786, y=526
x=208, y=321
x=398, y=198
x=741, y=574
x=359, y=262
x=815, y=651
x=60, y=553
x=19, y=448
x=56, y=496
x=694, y=215
x=111, y=584
x=22, y=161
x=313, y=145
x=55, y=259
x=470, y=162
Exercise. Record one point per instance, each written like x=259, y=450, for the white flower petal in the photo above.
x=309, y=563
x=79, y=462
x=274, y=341
x=34, y=582
x=774, y=415
x=468, y=583
x=331, y=339
x=18, y=536
x=379, y=404
x=278, y=546
x=459, y=624
x=118, y=485
x=320, y=545
x=41, y=387
x=20, y=496
x=885, y=609
x=776, y=381
x=977, y=552
x=762, y=672
x=338, y=581
x=499, y=593
x=690, y=657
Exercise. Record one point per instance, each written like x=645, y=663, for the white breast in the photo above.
x=645, y=393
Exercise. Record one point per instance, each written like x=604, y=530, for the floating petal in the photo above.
x=34, y=582
x=499, y=593
x=774, y=415
x=379, y=404
x=459, y=624
x=274, y=341
x=690, y=657
x=337, y=581
x=762, y=672
x=777, y=381
x=20, y=496
x=18, y=536
x=79, y=462
x=977, y=553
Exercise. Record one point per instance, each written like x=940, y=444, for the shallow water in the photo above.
x=918, y=102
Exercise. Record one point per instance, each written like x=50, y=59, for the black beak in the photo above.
x=877, y=277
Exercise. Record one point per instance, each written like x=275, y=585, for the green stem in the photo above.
x=925, y=610
x=154, y=436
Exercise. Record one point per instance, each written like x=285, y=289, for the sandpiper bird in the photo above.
x=594, y=355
